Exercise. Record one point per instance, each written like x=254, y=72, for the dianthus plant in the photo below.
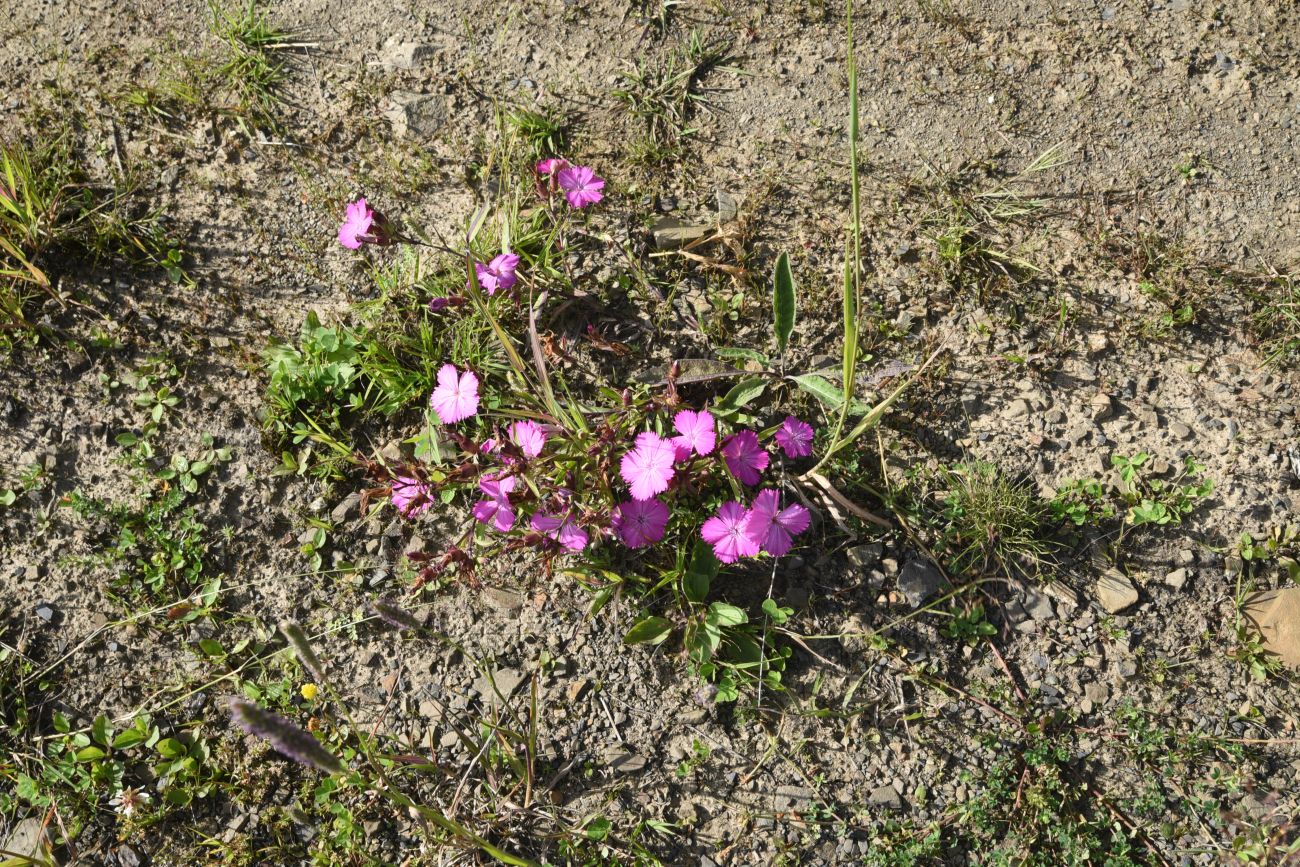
x=638, y=478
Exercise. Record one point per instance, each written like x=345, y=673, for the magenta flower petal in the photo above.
x=357, y=222
x=728, y=535
x=456, y=397
x=697, y=430
x=497, y=274
x=639, y=523
x=551, y=166
x=745, y=457
x=496, y=509
x=581, y=185
x=411, y=497
x=648, y=468
x=795, y=437
x=529, y=436
x=773, y=526
x=563, y=530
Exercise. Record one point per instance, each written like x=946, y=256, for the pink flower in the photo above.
x=773, y=526
x=795, y=437
x=563, y=530
x=551, y=166
x=529, y=436
x=697, y=433
x=581, y=186
x=744, y=456
x=639, y=523
x=497, y=274
x=496, y=510
x=411, y=497
x=727, y=533
x=456, y=396
x=648, y=468
x=357, y=222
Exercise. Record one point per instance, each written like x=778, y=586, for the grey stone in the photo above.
x=866, y=556
x=788, y=797
x=27, y=838
x=45, y=611
x=1036, y=603
x=1097, y=693
x=1177, y=578
x=1180, y=430
x=128, y=857
x=670, y=233
x=406, y=55
x=1100, y=406
x=625, y=763
x=416, y=114
x=886, y=796
x=345, y=508
x=449, y=740
x=728, y=206
x=1115, y=591
x=505, y=680
x=918, y=581
x=1016, y=409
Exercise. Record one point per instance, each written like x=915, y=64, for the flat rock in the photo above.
x=1100, y=406
x=624, y=762
x=416, y=114
x=866, y=556
x=406, y=55
x=1177, y=578
x=506, y=681
x=918, y=581
x=886, y=796
x=27, y=839
x=1276, y=614
x=1115, y=591
x=670, y=233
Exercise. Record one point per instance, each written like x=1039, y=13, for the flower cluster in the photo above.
x=527, y=485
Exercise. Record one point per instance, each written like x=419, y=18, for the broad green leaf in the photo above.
x=783, y=301
x=90, y=754
x=742, y=393
x=821, y=388
x=128, y=739
x=740, y=353
x=211, y=647
x=100, y=731
x=699, y=576
x=650, y=629
x=724, y=614
x=170, y=748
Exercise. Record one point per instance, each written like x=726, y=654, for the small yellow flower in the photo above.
x=309, y=691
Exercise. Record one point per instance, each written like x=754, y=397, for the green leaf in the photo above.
x=7, y=497
x=211, y=647
x=128, y=739
x=742, y=393
x=699, y=576
x=100, y=732
x=783, y=301
x=724, y=614
x=740, y=353
x=170, y=748
x=90, y=754
x=650, y=629
x=598, y=829
x=821, y=388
